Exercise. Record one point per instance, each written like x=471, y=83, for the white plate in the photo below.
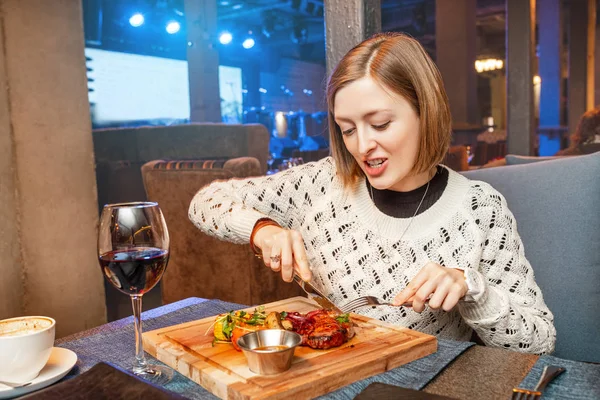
x=59, y=364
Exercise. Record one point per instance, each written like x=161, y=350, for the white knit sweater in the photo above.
x=353, y=249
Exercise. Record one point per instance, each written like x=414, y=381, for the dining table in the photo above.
x=460, y=370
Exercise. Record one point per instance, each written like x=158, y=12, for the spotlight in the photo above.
x=248, y=43
x=173, y=27
x=136, y=20
x=225, y=38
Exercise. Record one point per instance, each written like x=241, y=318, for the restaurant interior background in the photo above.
x=152, y=62
x=272, y=70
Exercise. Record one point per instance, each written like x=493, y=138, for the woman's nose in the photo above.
x=366, y=142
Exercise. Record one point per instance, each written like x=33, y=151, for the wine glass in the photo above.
x=133, y=250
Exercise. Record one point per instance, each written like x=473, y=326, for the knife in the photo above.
x=315, y=295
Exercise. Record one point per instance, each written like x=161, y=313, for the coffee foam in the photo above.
x=24, y=326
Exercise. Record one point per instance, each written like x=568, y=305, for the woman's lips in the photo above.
x=375, y=171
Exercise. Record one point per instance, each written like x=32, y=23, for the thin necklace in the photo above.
x=387, y=258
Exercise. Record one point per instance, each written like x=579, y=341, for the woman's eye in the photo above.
x=348, y=131
x=382, y=126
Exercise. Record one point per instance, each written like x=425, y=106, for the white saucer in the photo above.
x=59, y=364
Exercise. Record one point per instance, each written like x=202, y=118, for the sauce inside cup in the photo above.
x=271, y=348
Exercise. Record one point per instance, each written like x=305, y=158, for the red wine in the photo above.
x=135, y=270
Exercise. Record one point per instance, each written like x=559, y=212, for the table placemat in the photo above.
x=114, y=343
x=414, y=375
x=580, y=381
x=99, y=382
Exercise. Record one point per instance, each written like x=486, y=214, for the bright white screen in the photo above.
x=130, y=87
x=230, y=89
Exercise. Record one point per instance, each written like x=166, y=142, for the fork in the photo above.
x=363, y=301
x=370, y=301
x=550, y=372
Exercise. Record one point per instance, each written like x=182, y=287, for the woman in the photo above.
x=382, y=218
x=586, y=139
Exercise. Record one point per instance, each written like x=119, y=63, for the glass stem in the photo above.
x=140, y=360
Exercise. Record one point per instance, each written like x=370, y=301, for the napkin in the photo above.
x=382, y=391
x=104, y=381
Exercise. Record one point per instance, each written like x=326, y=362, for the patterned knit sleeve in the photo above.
x=510, y=311
x=229, y=209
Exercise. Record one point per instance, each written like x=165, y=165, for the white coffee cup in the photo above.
x=25, y=346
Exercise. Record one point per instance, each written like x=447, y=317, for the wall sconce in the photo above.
x=490, y=64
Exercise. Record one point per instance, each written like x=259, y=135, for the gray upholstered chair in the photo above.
x=514, y=159
x=120, y=152
x=557, y=207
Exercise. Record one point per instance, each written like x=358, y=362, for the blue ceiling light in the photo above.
x=136, y=20
x=225, y=38
x=173, y=27
x=248, y=43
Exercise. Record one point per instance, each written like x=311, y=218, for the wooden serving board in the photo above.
x=377, y=347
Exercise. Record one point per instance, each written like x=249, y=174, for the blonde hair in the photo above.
x=400, y=64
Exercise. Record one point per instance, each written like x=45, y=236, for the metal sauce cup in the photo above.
x=269, y=351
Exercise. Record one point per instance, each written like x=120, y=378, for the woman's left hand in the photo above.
x=443, y=287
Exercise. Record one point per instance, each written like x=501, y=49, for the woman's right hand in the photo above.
x=283, y=250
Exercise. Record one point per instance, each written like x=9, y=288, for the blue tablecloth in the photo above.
x=580, y=381
x=114, y=343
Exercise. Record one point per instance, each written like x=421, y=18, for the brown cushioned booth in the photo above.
x=202, y=266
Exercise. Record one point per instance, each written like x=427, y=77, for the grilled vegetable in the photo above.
x=273, y=321
x=225, y=324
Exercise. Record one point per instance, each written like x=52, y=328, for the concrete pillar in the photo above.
x=550, y=52
x=48, y=190
x=203, y=60
x=596, y=86
x=577, y=61
x=520, y=46
x=498, y=89
x=11, y=267
x=347, y=23
x=591, y=54
x=456, y=51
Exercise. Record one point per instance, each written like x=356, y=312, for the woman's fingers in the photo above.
x=300, y=258
x=454, y=295
x=266, y=250
x=439, y=296
x=284, y=251
x=275, y=257
x=423, y=294
x=411, y=289
x=440, y=287
x=287, y=256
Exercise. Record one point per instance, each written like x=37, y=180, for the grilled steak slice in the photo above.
x=320, y=329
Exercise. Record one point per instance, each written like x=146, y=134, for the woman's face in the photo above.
x=381, y=131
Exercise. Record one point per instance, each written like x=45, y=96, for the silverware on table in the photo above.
x=550, y=372
x=316, y=295
x=361, y=302
x=368, y=301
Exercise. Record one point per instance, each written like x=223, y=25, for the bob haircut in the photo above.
x=398, y=63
